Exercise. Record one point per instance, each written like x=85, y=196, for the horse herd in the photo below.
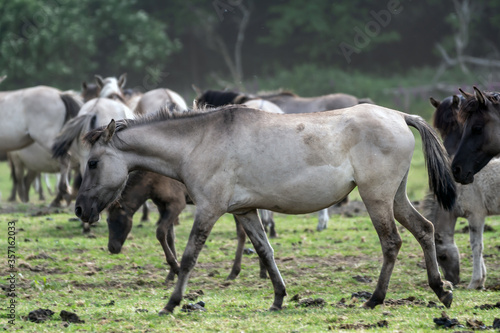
x=225, y=155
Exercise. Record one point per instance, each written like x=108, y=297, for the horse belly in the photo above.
x=296, y=193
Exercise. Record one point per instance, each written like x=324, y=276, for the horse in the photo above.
x=170, y=196
x=94, y=113
x=288, y=102
x=35, y=160
x=480, y=115
x=111, y=87
x=35, y=115
x=474, y=202
x=153, y=100
x=235, y=160
x=89, y=91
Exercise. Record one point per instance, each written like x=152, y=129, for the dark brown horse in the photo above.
x=170, y=196
x=480, y=115
x=474, y=201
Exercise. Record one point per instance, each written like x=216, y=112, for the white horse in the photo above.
x=155, y=99
x=236, y=161
x=35, y=115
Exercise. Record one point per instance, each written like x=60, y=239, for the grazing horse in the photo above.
x=234, y=160
x=480, y=115
x=170, y=196
x=474, y=202
x=289, y=103
x=35, y=115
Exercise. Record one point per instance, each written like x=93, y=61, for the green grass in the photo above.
x=79, y=275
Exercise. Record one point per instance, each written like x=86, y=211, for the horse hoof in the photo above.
x=274, y=308
x=447, y=299
x=164, y=312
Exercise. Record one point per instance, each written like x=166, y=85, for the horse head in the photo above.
x=89, y=91
x=105, y=174
x=111, y=87
x=480, y=142
x=119, y=226
x=446, y=121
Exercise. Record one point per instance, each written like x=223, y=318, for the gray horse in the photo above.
x=236, y=161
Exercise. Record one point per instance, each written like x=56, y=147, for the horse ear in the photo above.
x=84, y=85
x=3, y=77
x=99, y=81
x=456, y=100
x=479, y=96
x=196, y=90
x=122, y=80
x=109, y=131
x=465, y=94
x=434, y=102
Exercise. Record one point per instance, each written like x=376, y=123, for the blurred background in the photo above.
x=397, y=52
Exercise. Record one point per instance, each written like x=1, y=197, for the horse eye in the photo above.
x=477, y=129
x=92, y=164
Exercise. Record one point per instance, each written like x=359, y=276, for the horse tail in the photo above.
x=441, y=181
x=70, y=131
x=71, y=105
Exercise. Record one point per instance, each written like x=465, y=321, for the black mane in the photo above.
x=471, y=105
x=213, y=98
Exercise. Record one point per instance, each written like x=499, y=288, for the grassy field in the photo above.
x=59, y=268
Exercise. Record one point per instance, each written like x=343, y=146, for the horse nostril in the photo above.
x=78, y=211
x=457, y=170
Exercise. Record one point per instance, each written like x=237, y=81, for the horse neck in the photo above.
x=159, y=147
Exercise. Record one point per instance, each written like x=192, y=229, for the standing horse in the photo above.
x=474, y=202
x=289, y=103
x=35, y=115
x=234, y=160
x=480, y=115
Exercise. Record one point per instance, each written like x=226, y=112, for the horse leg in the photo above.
x=423, y=231
x=30, y=177
x=62, y=186
x=166, y=236
x=203, y=224
x=268, y=220
x=255, y=231
x=145, y=212
x=240, y=234
x=322, y=219
x=381, y=214
x=476, y=228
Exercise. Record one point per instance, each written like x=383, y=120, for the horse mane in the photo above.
x=471, y=105
x=217, y=98
x=445, y=117
x=165, y=113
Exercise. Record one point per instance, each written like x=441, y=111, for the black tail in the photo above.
x=441, y=181
x=72, y=106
